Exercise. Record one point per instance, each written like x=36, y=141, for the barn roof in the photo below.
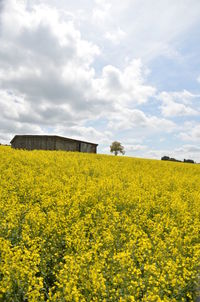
x=56, y=136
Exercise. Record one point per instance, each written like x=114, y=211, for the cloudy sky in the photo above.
x=103, y=70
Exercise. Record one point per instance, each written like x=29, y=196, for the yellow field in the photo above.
x=86, y=227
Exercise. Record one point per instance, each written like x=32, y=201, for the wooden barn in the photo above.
x=51, y=142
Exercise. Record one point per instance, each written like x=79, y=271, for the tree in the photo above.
x=116, y=148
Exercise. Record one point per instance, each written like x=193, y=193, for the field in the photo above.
x=86, y=227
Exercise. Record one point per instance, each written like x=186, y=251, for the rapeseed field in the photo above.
x=87, y=227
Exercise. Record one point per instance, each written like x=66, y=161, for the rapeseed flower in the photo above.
x=88, y=227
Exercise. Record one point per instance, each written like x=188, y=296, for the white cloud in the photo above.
x=176, y=109
x=86, y=133
x=124, y=86
x=180, y=153
x=188, y=148
x=115, y=36
x=173, y=103
x=134, y=148
x=13, y=117
x=48, y=81
x=45, y=59
x=101, y=11
x=191, y=135
x=126, y=119
x=60, y=74
x=47, y=71
x=152, y=27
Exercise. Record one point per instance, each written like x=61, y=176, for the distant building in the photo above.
x=51, y=142
x=190, y=161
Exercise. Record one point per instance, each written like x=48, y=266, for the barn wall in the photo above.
x=85, y=147
x=52, y=143
x=19, y=143
x=89, y=148
x=66, y=145
x=34, y=143
x=93, y=149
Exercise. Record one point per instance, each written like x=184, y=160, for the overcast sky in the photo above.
x=103, y=70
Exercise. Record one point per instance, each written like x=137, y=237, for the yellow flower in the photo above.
x=88, y=227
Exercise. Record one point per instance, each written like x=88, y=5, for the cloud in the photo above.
x=81, y=73
x=124, y=86
x=134, y=148
x=115, y=36
x=126, y=119
x=101, y=11
x=153, y=28
x=86, y=133
x=46, y=65
x=48, y=79
x=173, y=103
x=1, y=4
x=191, y=135
x=189, y=148
x=168, y=24
x=52, y=61
x=184, y=152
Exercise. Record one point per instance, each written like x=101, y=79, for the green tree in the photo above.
x=116, y=148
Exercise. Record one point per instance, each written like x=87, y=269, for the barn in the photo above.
x=51, y=142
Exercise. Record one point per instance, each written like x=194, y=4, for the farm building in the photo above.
x=51, y=142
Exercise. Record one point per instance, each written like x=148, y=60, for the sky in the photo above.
x=103, y=70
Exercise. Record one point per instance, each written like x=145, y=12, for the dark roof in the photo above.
x=56, y=136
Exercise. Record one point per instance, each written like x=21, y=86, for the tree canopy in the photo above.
x=117, y=148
